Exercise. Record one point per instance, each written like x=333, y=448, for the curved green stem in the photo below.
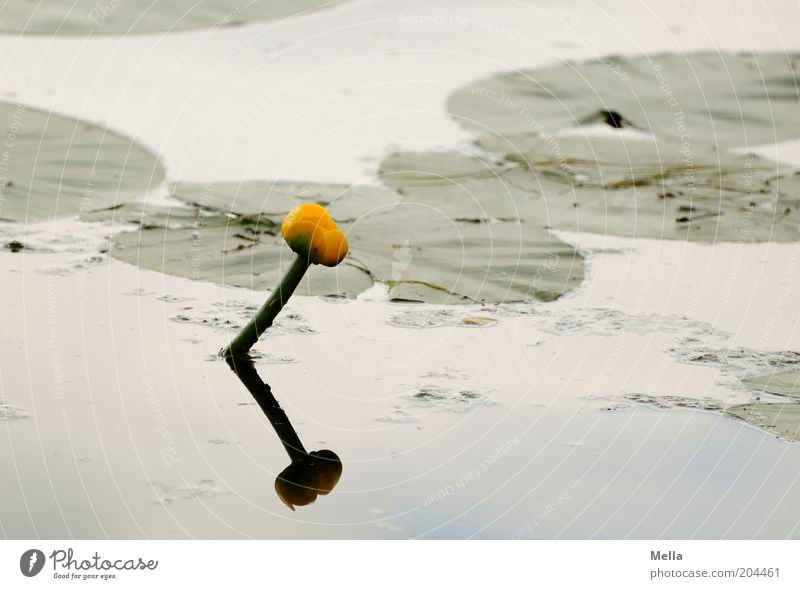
x=250, y=333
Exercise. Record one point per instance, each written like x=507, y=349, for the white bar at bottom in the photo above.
x=320, y=564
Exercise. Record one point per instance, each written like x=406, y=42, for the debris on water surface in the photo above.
x=628, y=400
x=424, y=399
x=202, y=489
x=15, y=246
x=478, y=321
x=742, y=361
x=9, y=412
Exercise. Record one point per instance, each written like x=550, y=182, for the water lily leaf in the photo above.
x=195, y=203
x=276, y=198
x=786, y=384
x=149, y=215
x=712, y=98
x=121, y=17
x=466, y=188
x=428, y=255
x=419, y=253
x=54, y=166
x=239, y=243
x=231, y=252
x=780, y=419
x=651, y=191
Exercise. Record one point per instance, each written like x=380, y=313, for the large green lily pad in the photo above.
x=52, y=166
x=458, y=228
x=780, y=419
x=712, y=98
x=786, y=384
x=127, y=16
x=640, y=146
x=276, y=198
x=645, y=193
x=420, y=253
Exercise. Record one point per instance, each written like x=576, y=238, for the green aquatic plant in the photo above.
x=644, y=146
x=611, y=185
x=448, y=228
x=785, y=384
x=710, y=98
x=55, y=166
x=780, y=419
x=65, y=17
x=311, y=234
x=438, y=249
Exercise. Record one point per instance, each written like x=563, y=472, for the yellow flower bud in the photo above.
x=310, y=232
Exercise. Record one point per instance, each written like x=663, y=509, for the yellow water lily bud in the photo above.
x=311, y=233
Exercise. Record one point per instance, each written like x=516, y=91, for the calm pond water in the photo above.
x=122, y=422
x=600, y=415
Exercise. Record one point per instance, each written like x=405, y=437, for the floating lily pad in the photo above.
x=786, y=384
x=265, y=202
x=780, y=419
x=276, y=198
x=422, y=254
x=713, y=98
x=609, y=186
x=150, y=215
x=126, y=17
x=639, y=147
x=55, y=166
x=234, y=252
